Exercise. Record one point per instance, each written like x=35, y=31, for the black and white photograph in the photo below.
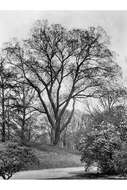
x=63, y=95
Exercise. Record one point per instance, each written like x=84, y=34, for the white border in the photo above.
x=63, y=5
x=63, y=184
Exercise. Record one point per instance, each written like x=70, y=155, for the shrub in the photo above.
x=103, y=144
x=15, y=158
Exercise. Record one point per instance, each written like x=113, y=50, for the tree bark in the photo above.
x=51, y=136
x=22, y=131
x=8, y=121
x=56, y=135
x=3, y=117
x=64, y=138
x=23, y=119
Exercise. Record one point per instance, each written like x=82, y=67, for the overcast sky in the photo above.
x=18, y=23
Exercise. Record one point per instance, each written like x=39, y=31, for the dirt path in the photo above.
x=49, y=173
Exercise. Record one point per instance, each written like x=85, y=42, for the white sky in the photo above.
x=18, y=23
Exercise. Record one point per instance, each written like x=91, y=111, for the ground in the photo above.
x=57, y=163
x=63, y=173
x=55, y=173
x=52, y=157
x=55, y=157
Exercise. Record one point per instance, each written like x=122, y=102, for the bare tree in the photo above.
x=107, y=98
x=63, y=66
x=6, y=86
x=22, y=108
x=111, y=96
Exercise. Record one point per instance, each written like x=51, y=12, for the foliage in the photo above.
x=15, y=158
x=104, y=144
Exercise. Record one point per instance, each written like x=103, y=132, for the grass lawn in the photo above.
x=55, y=157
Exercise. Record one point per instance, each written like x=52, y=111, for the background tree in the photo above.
x=112, y=95
x=7, y=84
x=22, y=110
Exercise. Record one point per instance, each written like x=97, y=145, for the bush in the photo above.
x=103, y=144
x=15, y=158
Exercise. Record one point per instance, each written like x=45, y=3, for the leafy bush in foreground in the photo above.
x=15, y=158
x=103, y=144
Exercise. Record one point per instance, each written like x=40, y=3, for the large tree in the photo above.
x=62, y=66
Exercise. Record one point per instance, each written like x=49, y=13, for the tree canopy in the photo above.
x=62, y=66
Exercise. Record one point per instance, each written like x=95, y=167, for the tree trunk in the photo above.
x=23, y=119
x=56, y=135
x=64, y=137
x=23, y=130
x=3, y=117
x=8, y=121
x=51, y=134
x=29, y=134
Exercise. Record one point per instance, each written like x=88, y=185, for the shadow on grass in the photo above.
x=94, y=176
